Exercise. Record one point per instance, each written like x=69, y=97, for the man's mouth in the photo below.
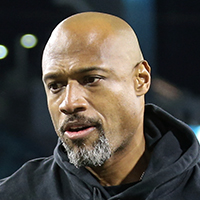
x=78, y=131
x=77, y=128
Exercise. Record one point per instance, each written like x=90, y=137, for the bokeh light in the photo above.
x=28, y=41
x=196, y=130
x=3, y=51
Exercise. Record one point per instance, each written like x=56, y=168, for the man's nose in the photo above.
x=74, y=100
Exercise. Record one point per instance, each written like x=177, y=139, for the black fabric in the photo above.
x=172, y=174
x=114, y=190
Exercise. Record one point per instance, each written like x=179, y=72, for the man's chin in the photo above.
x=93, y=156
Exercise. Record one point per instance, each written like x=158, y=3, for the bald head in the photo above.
x=95, y=22
x=91, y=29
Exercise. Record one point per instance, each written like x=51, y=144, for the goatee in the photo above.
x=80, y=154
x=91, y=157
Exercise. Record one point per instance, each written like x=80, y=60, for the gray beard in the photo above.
x=91, y=157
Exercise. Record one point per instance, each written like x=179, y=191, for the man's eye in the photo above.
x=55, y=87
x=91, y=80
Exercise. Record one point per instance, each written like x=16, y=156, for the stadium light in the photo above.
x=28, y=41
x=3, y=51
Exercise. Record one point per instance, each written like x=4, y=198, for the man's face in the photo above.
x=89, y=83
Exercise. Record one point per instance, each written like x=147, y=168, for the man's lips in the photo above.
x=74, y=132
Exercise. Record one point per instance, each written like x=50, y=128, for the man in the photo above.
x=111, y=146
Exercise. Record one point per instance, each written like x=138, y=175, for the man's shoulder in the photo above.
x=29, y=175
x=42, y=179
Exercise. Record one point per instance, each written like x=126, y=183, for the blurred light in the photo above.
x=196, y=130
x=28, y=41
x=3, y=51
x=165, y=89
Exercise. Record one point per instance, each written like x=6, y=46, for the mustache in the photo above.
x=80, y=119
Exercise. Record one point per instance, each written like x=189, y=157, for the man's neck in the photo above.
x=123, y=167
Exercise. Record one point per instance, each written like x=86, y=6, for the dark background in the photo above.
x=169, y=35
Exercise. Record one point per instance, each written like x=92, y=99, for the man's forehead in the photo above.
x=77, y=38
x=100, y=38
x=70, y=48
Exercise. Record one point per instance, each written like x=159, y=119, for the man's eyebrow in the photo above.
x=54, y=75
x=88, y=69
x=50, y=75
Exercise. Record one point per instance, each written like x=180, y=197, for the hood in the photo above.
x=171, y=140
x=175, y=150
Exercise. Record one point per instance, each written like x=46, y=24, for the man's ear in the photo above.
x=142, y=78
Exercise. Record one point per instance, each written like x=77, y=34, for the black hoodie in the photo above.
x=173, y=172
